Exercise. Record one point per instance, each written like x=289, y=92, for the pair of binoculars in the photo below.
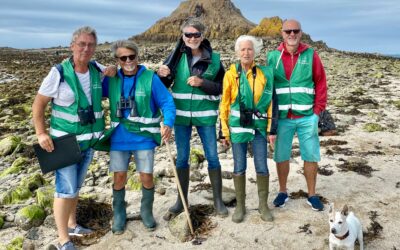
x=246, y=116
x=86, y=116
x=124, y=104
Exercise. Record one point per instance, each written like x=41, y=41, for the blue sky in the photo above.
x=352, y=25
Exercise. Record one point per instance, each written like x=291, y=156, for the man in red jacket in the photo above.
x=300, y=83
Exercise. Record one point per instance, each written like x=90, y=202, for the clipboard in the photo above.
x=66, y=152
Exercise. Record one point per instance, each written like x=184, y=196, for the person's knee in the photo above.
x=147, y=180
x=119, y=180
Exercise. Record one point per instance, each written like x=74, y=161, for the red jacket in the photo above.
x=319, y=76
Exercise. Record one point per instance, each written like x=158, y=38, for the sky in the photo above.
x=351, y=25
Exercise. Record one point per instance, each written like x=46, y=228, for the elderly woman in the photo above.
x=196, y=73
x=246, y=114
x=136, y=97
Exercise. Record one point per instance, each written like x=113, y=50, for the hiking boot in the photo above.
x=78, y=231
x=281, y=199
x=315, y=203
x=67, y=246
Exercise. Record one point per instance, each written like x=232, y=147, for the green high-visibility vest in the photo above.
x=65, y=120
x=298, y=92
x=146, y=123
x=241, y=134
x=193, y=106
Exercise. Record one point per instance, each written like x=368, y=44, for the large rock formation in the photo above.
x=222, y=18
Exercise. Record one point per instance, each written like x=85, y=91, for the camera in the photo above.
x=126, y=104
x=86, y=116
x=246, y=116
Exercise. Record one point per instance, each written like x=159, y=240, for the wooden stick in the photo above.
x=180, y=188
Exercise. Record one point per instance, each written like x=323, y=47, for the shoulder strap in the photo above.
x=94, y=64
x=61, y=71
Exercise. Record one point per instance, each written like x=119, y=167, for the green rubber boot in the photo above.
x=119, y=210
x=146, y=208
x=263, y=190
x=240, y=188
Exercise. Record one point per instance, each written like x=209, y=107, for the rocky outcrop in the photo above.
x=268, y=27
x=222, y=18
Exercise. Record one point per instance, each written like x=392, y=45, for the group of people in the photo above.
x=259, y=105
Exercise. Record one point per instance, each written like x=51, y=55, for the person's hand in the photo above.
x=226, y=143
x=166, y=133
x=110, y=71
x=45, y=142
x=195, y=81
x=272, y=139
x=163, y=71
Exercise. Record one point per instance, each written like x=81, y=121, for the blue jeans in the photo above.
x=69, y=180
x=239, y=150
x=208, y=138
x=144, y=160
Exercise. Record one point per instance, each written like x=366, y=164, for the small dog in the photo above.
x=344, y=229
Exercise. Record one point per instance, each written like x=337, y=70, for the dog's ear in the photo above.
x=331, y=207
x=345, y=210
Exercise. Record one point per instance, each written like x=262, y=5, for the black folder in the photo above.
x=66, y=152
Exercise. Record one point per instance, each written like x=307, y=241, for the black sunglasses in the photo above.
x=124, y=58
x=288, y=32
x=190, y=35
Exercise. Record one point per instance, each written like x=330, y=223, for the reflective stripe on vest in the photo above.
x=196, y=97
x=236, y=113
x=73, y=118
x=197, y=113
x=295, y=107
x=82, y=137
x=309, y=91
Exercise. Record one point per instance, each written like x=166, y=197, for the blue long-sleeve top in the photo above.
x=122, y=139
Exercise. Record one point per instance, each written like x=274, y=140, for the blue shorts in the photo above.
x=69, y=180
x=144, y=160
x=307, y=133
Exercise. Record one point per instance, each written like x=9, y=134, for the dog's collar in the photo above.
x=343, y=236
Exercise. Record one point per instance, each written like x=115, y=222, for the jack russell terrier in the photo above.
x=344, y=229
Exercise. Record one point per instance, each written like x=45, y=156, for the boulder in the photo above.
x=30, y=216
x=179, y=227
x=16, y=167
x=45, y=197
x=8, y=144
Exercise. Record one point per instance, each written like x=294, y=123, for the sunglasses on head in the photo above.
x=124, y=58
x=288, y=32
x=191, y=35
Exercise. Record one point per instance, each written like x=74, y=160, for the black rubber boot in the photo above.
x=183, y=176
x=216, y=184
